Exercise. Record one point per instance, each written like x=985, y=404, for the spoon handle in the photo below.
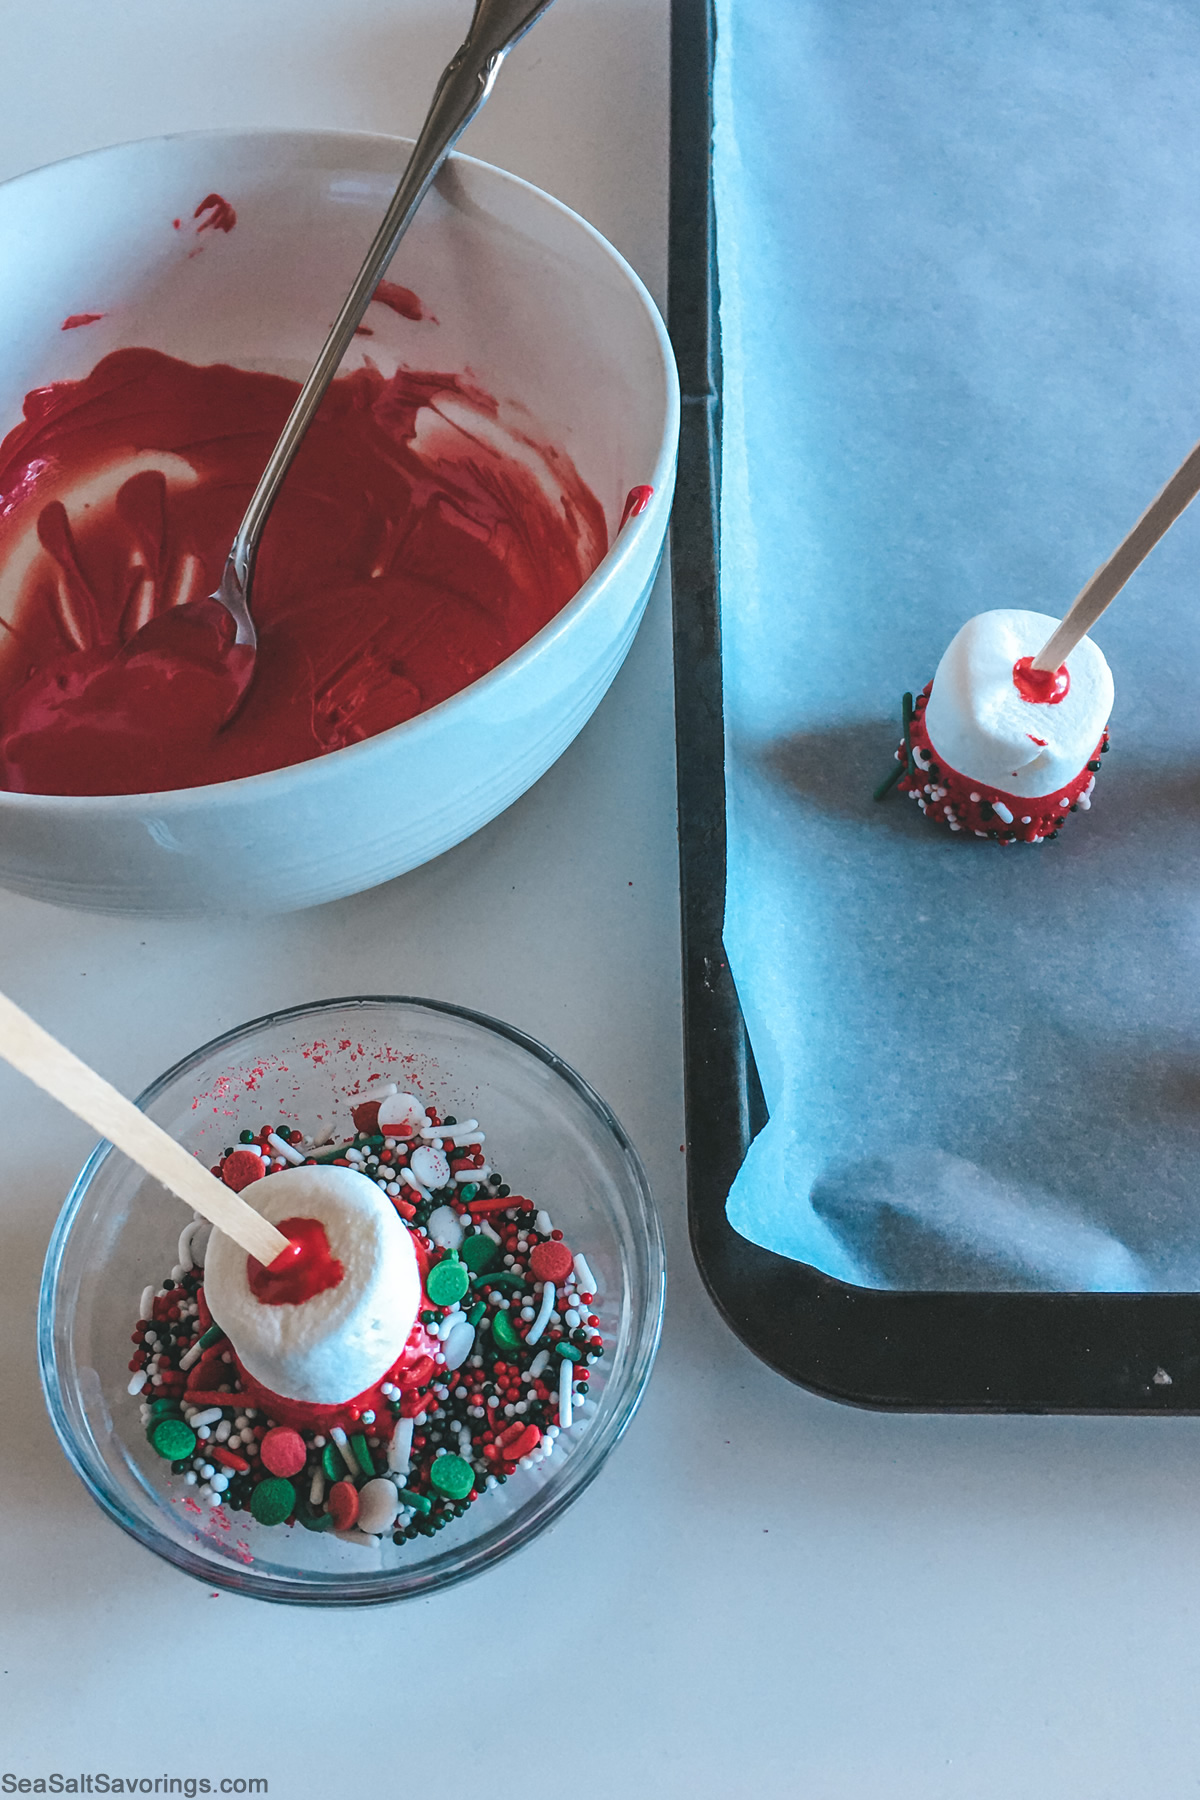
x=465, y=84
x=58, y=1071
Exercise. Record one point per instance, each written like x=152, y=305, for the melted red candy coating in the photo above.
x=408, y=554
x=306, y=1268
x=1043, y=687
x=983, y=811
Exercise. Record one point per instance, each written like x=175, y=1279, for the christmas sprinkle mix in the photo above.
x=496, y=1367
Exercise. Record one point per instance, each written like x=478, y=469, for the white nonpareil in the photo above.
x=330, y=1348
x=979, y=724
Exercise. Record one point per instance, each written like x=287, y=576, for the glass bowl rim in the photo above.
x=365, y=1588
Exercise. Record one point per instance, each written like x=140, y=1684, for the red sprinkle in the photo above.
x=283, y=1451
x=240, y=1168
x=551, y=1261
x=231, y=1459
x=343, y=1504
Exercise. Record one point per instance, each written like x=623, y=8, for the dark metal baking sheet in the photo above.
x=1012, y=1352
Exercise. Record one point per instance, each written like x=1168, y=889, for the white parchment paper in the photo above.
x=959, y=256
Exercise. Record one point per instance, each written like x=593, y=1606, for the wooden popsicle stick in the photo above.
x=49, y=1064
x=1108, y=580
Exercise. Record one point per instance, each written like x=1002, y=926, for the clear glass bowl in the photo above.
x=548, y=1133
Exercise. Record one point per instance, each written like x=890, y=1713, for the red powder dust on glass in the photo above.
x=409, y=553
x=215, y=214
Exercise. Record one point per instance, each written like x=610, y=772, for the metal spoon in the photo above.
x=465, y=84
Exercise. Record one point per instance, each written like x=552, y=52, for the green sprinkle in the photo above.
x=479, y=1252
x=318, y=1521
x=245, y=1137
x=419, y=1502
x=476, y=1313
x=212, y=1336
x=447, y=1281
x=362, y=1454
x=468, y=1191
x=512, y=1278
x=273, y=1500
x=172, y=1439
x=452, y=1475
x=165, y=1409
x=331, y=1462
x=504, y=1333
x=889, y=781
x=570, y=1351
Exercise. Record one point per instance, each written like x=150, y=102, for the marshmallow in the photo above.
x=331, y=1348
x=979, y=724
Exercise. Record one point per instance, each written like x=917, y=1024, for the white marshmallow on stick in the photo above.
x=334, y=1346
x=980, y=725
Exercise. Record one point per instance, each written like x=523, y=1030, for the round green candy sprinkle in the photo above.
x=452, y=1475
x=468, y=1191
x=165, y=1409
x=447, y=1281
x=503, y=1332
x=332, y=1463
x=273, y=1500
x=479, y=1252
x=172, y=1439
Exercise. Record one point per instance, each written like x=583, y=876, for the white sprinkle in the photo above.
x=407, y=1175
x=445, y=1228
x=399, y=1454
x=543, y=1223
x=465, y=1130
x=137, y=1382
x=192, y=1356
x=146, y=1305
x=585, y=1280
x=383, y=1092
x=316, y=1487
x=348, y=1456
x=184, y=1252
x=489, y=1232
x=209, y=1416
x=539, y=1362
x=1001, y=811
x=543, y=1315
x=289, y=1151
x=1083, y=803
x=566, y=1393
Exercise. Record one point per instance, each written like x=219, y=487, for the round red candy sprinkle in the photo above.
x=283, y=1451
x=240, y=1168
x=551, y=1261
x=343, y=1504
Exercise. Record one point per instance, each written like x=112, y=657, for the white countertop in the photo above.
x=764, y=1594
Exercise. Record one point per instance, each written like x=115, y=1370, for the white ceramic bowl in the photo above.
x=527, y=297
